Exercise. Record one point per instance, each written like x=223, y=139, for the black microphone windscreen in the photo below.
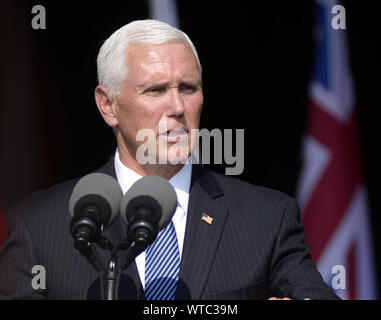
x=159, y=189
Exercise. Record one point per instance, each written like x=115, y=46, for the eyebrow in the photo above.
x=147, y=85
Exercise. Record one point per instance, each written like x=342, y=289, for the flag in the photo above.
x=331, y=190
x=206, y=218
x=165, y=11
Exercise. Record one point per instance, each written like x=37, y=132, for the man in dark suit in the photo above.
x=233, y=240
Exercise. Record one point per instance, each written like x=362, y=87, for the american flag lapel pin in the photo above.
x=206, y=218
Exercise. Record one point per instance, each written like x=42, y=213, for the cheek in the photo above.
x=193, y=110
x=151, y=108
x=140, y=114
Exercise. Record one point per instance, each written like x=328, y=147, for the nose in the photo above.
x=176, y=103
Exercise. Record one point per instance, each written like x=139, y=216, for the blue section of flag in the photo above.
x=323, y=31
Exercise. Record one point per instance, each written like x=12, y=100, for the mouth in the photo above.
x=174, y=135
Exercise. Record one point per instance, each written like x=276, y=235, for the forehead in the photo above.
x=169, y=58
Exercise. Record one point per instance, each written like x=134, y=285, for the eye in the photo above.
x=187, y=89
x=156, y=90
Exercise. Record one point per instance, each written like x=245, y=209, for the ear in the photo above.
x=105, y=105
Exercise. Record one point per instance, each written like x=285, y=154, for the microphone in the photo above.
x=93, y=205
x=147, y=208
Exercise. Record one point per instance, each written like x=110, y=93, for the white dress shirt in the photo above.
x=180, y=182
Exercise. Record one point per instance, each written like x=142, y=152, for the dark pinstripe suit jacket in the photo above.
x=253, y=249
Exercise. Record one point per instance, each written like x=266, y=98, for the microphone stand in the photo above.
x=85, y=249
x=108, y=278
x=132, y=252
x=134, y=246
x=111, y=276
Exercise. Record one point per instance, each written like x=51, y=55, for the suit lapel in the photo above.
x=201, y=238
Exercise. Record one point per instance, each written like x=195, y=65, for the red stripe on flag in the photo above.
x=338, y=182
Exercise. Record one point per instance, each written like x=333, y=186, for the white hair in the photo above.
x=111, y=59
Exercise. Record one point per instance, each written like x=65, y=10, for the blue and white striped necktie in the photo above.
x=162, y=265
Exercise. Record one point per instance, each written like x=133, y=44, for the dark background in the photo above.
x=256, y=58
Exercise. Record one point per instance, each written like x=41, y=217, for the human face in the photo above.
x=162, y=92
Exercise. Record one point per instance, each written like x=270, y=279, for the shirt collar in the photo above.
x=180, y=181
